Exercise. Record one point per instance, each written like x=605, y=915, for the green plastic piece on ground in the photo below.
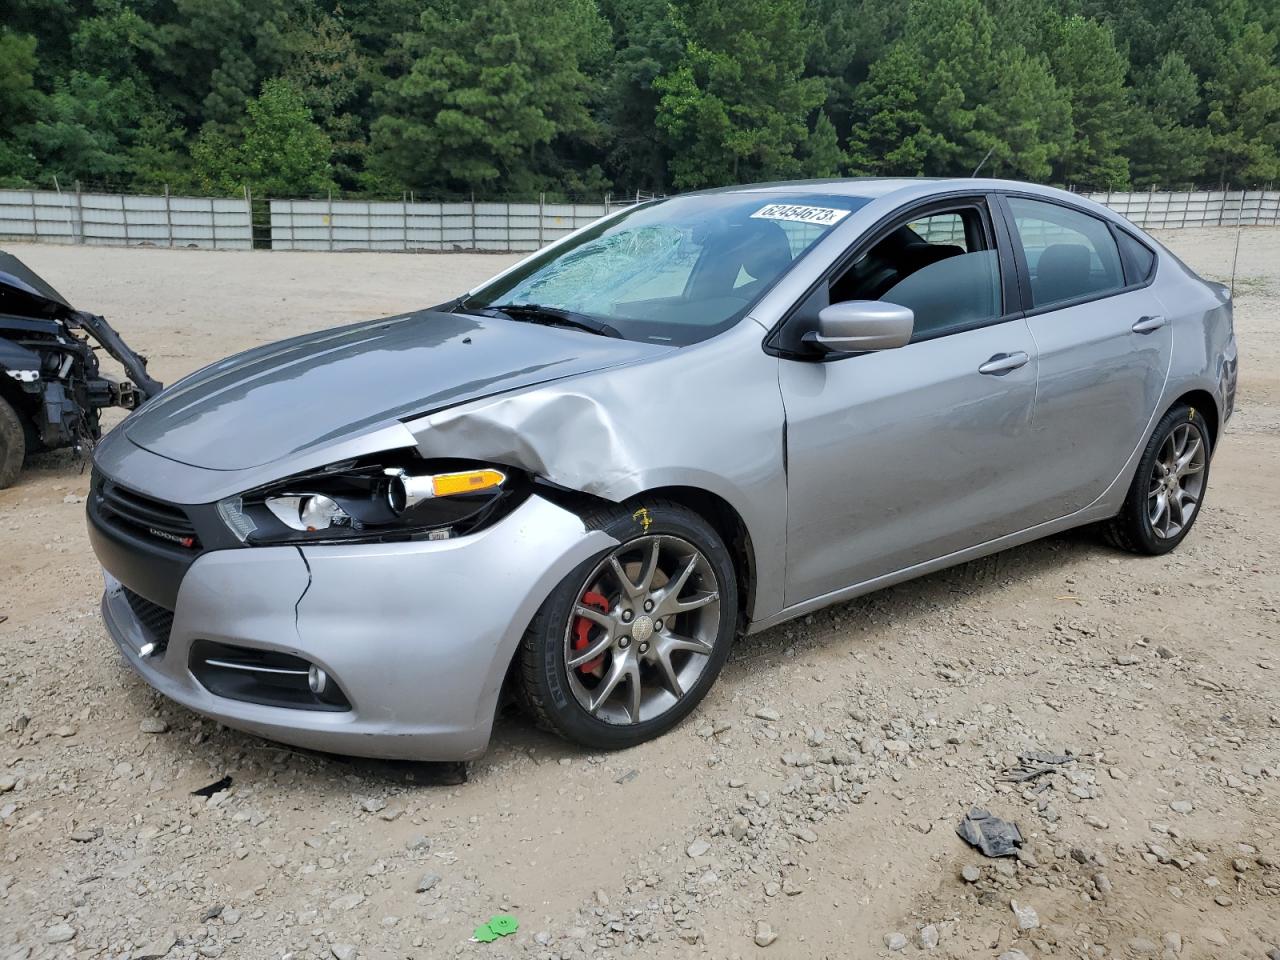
x=503, y=924
x=485, y=934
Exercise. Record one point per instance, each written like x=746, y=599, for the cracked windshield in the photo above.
x=672, y=271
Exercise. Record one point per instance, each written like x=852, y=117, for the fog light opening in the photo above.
x=317, y=680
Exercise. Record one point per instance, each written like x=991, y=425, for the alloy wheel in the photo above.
x=643, y=629
x=1177, y=482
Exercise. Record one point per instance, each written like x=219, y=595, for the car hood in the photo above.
x=278, y=400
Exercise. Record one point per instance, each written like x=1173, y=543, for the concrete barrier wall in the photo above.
x=125, y=220
x=424, y=226
x=225, y=223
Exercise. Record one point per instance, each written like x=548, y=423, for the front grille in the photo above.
x=155, y=619
x=155, y=518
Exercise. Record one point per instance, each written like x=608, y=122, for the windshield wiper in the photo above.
x=555, y=316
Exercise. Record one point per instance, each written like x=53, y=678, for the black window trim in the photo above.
x=1001, y=197
x=997, y=234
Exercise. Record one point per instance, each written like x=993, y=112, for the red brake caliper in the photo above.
x=582, y=629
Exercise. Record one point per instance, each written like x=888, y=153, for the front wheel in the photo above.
x=630, y=641
x=13, y=444
x=1168, y=488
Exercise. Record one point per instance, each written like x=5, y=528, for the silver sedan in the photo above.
x=697, y=417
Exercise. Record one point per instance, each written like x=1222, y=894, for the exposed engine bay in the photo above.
x=51, y=387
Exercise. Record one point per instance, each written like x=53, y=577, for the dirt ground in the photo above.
x=815, y=792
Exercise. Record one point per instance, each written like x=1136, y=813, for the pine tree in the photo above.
x=736, y=107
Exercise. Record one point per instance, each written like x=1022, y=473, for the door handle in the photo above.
x=1148, y=324
x=1002, y=363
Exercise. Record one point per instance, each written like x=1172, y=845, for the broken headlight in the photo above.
x=391, y=497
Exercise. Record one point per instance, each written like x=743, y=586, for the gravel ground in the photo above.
x=806, y=810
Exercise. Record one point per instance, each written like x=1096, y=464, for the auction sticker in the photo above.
x=825, y=216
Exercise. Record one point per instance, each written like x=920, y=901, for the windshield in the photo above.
x=673, y=271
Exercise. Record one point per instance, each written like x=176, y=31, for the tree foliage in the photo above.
x=450, y=97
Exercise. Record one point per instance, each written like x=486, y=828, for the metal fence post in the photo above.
x=79, y=215
x=168, y=216
x=35, y=221
x=474, y=243
x=330, y=218
x=508, y=226
x=213, y=230
x=124, y=218
x=66, y=207
x=542, y=205
x=404, y=220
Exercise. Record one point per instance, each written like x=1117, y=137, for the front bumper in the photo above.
x=417, y=635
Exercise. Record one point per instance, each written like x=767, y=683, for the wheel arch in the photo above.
x=1203, y=402
x=732, y=529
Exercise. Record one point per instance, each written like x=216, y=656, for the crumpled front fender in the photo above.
x=708, y=417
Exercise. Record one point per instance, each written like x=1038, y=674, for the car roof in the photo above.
x=871, y=188
x=909, y=189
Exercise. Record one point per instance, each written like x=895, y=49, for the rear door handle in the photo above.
x=1002, y=363
x=1148, y=324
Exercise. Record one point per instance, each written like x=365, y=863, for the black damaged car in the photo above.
x=51, y=389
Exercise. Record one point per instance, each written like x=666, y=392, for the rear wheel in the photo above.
x=629, y=642
x=1168, y=488
x=13, y=444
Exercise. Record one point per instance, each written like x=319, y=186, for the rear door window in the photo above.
x=1069, y=255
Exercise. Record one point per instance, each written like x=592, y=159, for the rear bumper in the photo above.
x=417, y=635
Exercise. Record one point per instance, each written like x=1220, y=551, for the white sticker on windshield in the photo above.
x=826, y=216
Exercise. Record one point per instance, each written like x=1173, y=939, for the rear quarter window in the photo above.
x=1139, y=259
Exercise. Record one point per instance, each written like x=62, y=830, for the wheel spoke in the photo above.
x=669, y=677
x=617, y=670
x=669, y=597
x=634, y=690
x=628, y=587
x=1161, y=510
x=596, y=616
x=1189, y=454
x=692, y=603
x=596, y=649
x=672, y=642
x=650, y=567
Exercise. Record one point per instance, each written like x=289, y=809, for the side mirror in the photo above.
x=859, y=325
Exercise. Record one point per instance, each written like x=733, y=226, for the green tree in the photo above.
x=950, y=92
x=494, y=91
x=646, y=46
x=214, y=55
x=282, y=152
x=736, y=106
x=85, y=128
x=19, y=102
x=822, y=155
x=1089, y=68
x=1166, y=147
x=1244, y=110
x=324, y=62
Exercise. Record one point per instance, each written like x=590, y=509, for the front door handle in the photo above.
x=1148, y=324
x=1002, y=363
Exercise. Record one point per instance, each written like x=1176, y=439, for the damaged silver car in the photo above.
x=699, y=416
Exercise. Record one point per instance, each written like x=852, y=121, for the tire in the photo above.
x=1143, y=526
x=660, y=650
x=13, y=444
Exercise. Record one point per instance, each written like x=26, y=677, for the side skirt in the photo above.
x=1099, y=510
